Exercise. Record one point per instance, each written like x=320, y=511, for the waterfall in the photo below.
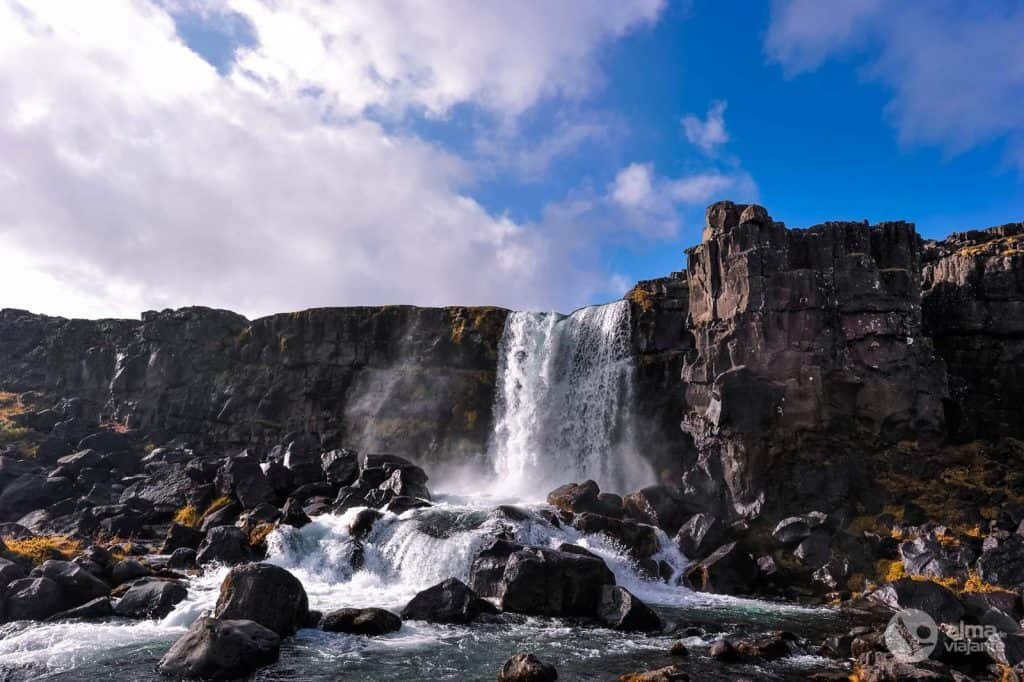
x=563, y=406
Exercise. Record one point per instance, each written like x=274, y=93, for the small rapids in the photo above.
x=401, y=556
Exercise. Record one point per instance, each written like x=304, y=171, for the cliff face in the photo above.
x=661, y=342
x=974, y=310
x=768, y=374
x=809, y=353
x=416, y=381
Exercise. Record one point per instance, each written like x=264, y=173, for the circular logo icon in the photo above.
x=911, y=635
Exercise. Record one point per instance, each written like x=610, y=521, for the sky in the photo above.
x=276, y=155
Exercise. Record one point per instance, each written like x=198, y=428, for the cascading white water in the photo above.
x=563, y=403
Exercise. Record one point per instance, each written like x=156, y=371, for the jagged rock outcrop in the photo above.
x=974, y=311
x=416, y=381
x=661, y=342
x=809, y=352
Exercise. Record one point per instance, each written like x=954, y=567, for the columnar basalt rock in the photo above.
x=809, y=354
x=416, y=381
x=974, y=310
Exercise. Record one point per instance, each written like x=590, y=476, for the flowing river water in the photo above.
x=562, y=414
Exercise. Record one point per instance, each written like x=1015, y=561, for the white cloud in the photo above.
x=710, y=133
x=401, y=53
x=956, y=70
x=133, y=175
x=632, y=186
x=653, y=204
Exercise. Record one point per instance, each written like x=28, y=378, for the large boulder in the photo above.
x=576, y=498
x=450, y=601
x=488, y=568
x=547, y=582
x=221, y=650
x=226, y=545
x=340, y=467
x=700, y=535
x=151, y=598
x=727, y=570
x=924, y=595
x=242, y=477
x=77, y=586
x=179, y=536
x=32, y=491
x=662, y=506
x=97, y=609
x=639, y=539
x=368, y=622
x=526, y=668
x=33, y=599
x=265, y=593
x=621, y=610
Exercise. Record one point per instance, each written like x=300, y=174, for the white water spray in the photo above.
x=563, y=404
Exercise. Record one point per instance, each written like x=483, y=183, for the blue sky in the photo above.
x=534, y=156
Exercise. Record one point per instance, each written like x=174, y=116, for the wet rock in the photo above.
x=127, y=570
x=405, y=483
x=488, y=568
x=671, y=673
x=221, y=649
x=179, y=536
x=97, y=609
x=340, y=467
x=402, y=504
x=576, y=498
x=293, y=515
x=678, y=649
x=661, y=506
x=723, y=651
x=450, y=601
x=35, y=598
x=620, y=610
x=526, y=668
x=363, y=522
x=640, y=540
x=539, y=581
x=923, y=595
x=264, y=593
x=77, y=586
x=368, y=622
x=225, y=545
x=183, y=558
x=769, y=647
x=700, y=535
x=151, y=598
x=727, y=570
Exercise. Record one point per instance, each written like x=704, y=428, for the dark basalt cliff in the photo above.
x=974, y=311
x=773, y=374
x=402, y=379
x=809, y=353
